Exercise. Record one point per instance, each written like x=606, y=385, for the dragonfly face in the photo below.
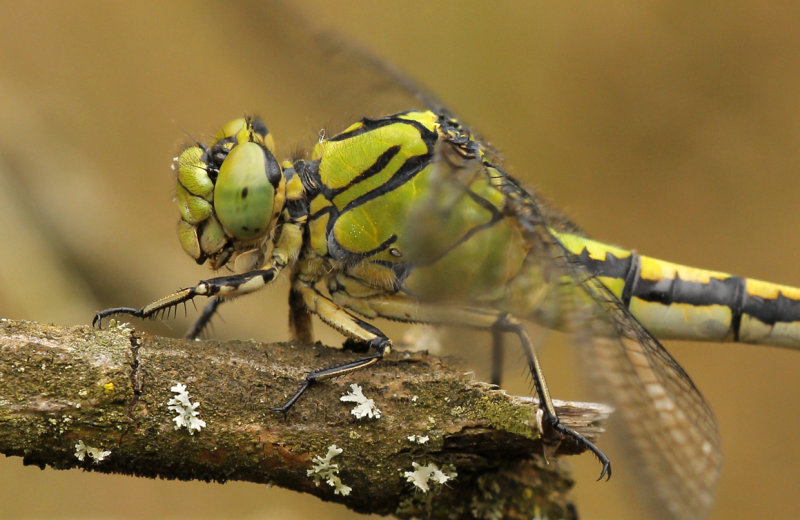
x=229, y=195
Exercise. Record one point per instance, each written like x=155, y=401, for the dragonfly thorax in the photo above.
x=230, y=195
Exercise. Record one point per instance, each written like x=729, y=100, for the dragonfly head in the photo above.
x=230, y=195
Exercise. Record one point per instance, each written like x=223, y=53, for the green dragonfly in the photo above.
x=411, y=217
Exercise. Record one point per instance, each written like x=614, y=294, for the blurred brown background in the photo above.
x=663, y=126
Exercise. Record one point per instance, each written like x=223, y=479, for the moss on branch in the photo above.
x=110, y=388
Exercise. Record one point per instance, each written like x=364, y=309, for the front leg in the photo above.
x=223, y=287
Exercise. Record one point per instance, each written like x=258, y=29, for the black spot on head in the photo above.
x=245, y=228
x=244, y=192
x=259, y=127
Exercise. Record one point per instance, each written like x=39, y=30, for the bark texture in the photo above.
x=109, y=389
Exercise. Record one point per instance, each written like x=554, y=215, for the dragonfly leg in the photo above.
x=205, y=318
x=498, y=351
x=347, y=324
x=510, y=324
x=398, y=308
x=300, y=326
x=221, y=287
x=381, y=347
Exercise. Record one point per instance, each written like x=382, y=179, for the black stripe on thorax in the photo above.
x=410, y=167
x=327, y=210
x=368, y=125
x=405, y=173
x=376, y=167
x=337, y=252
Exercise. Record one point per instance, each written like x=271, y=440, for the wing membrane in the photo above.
x=671, y=429
x=671, y=426
x=336, y=80
x=673, y=434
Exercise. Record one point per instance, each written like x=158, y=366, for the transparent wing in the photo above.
x=340, y=80
x=671, y=426
x=672, y=430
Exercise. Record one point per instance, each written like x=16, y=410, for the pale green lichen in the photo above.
x=365, y=407
x=186, y=410
x=423, y=476
x=324, y=469
x=120, y=326
x=96, y=454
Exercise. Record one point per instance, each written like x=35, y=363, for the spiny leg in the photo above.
x=510, y=324
x=205, y=318
x=286, y=248
x=345, y=323
x=222, y=287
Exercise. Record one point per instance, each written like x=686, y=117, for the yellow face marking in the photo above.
x=187, y=235
x=193, y=209
x=192, y=173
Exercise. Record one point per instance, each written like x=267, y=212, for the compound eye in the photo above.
x=243, y=194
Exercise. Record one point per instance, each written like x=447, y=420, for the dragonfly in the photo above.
x=412, y=217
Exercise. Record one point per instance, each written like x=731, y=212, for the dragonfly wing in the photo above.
x=335, y=79
x=672, y=432
x=671, y=428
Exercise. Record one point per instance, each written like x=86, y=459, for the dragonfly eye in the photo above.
x=226, y=191
x=244, y=192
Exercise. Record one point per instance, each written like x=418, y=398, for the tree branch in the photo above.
x=109, y=389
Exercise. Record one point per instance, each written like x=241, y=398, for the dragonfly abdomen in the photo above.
x=675, y=301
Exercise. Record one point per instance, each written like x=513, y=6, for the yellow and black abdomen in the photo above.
x=680, y=302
